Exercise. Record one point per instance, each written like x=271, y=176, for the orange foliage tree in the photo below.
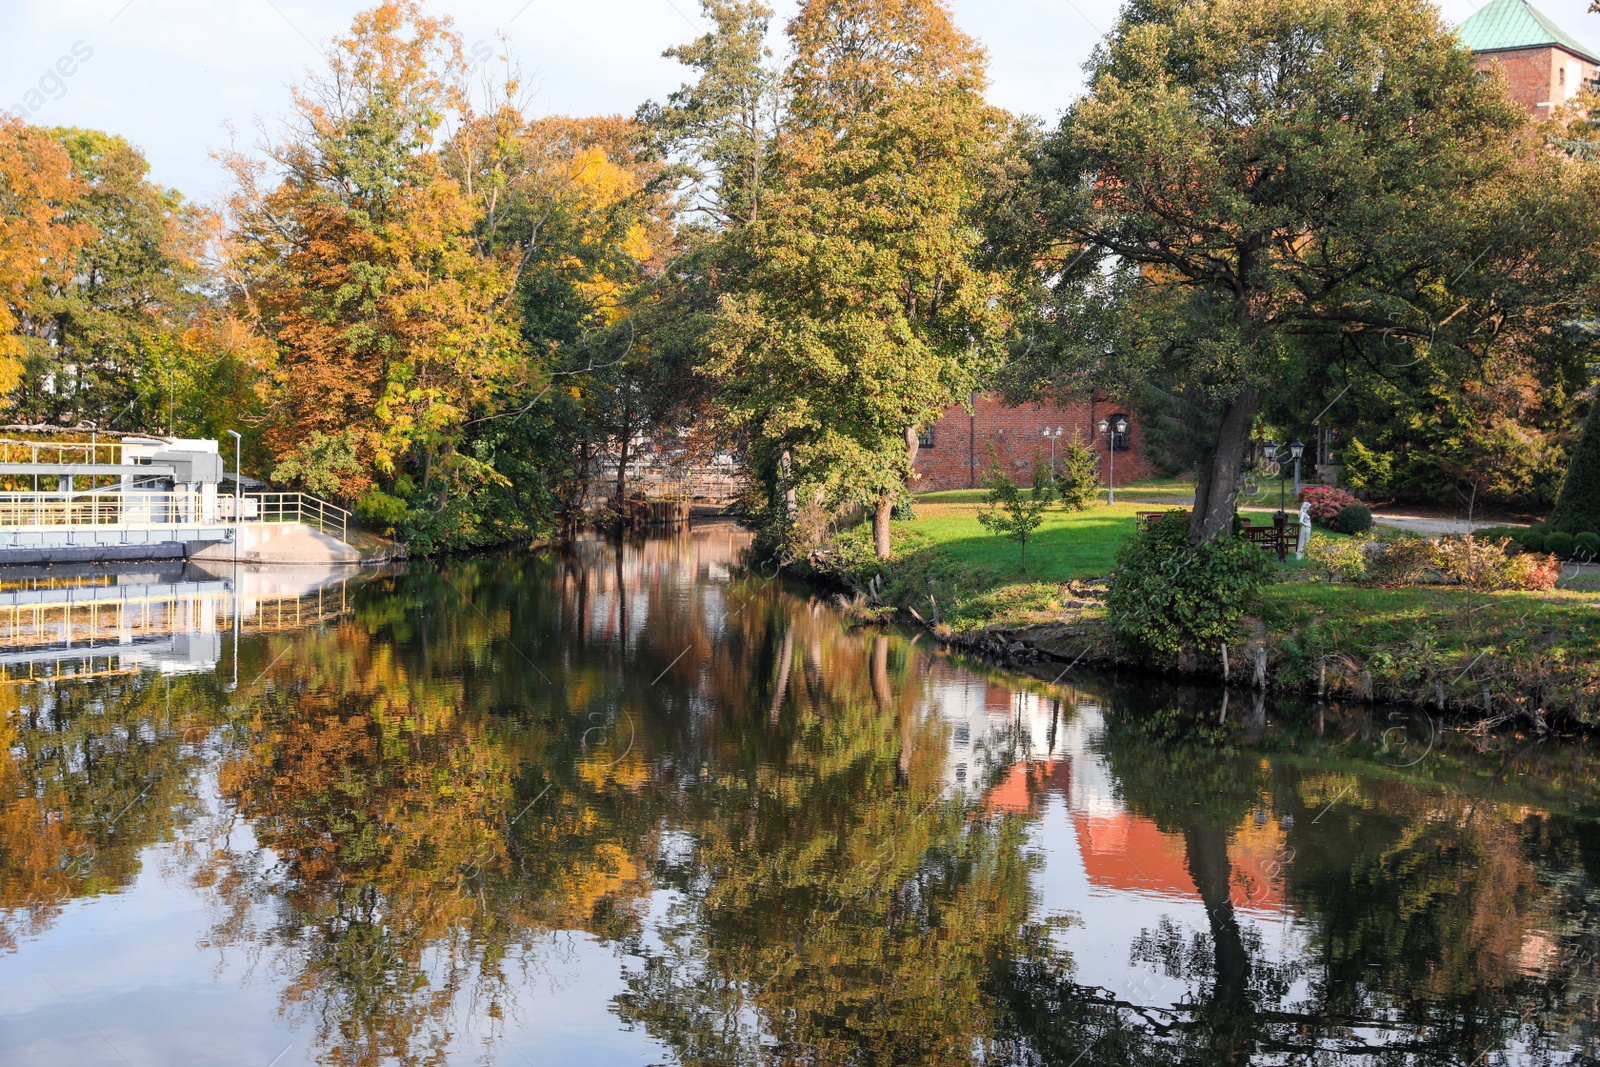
x=360, y=264
x=37, y=241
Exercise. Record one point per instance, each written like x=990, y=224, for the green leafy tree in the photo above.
x=1013, y=513
x=863, y=312
x=1249, y=188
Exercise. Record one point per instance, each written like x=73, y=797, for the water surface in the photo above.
x=634, y=804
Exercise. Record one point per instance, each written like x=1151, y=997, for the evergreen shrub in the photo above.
x=1167, y=594
x=1353, y=519
x=1577, y=507
x=1586, y=546
x=1559, y=544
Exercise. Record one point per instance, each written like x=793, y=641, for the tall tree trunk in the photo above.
x=622, y=460
x=880, y=524
x=785, y=665
x=1216, y=491
x=791, y=504
x=1206, y=844
x=881, y=689
x=880, y=519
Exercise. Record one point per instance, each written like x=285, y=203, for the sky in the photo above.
x=184, y=78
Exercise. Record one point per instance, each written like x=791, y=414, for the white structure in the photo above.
x=152, y=497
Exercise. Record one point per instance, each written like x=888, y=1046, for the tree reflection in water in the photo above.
x=786, y=832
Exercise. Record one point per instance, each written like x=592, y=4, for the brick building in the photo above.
x=955, y=453
x=1544, y=66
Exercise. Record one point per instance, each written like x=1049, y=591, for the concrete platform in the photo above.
x=287, y=543
x=53, y=554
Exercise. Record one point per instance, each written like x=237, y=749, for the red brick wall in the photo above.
x=1539, y=78
x=959, y=457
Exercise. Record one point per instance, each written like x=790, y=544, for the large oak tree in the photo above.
x=1247, y=183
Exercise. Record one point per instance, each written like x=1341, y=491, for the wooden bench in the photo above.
x=1142, y=519
x=1268, y=537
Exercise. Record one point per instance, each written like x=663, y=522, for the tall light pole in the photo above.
x=238, y=489
x=1052, y=438
x=238, y=529
x=1112, y=432
x=1281, y=519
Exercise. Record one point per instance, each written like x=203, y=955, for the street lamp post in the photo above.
x=1112, y=432
x=1052, y=438
x=1281, y=519
x=238, y=529
x=238, y=489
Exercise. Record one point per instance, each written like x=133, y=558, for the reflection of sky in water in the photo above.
x=137, y=974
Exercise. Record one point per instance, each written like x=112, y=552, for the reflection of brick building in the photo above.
x=956, y=450
x=1544, y=66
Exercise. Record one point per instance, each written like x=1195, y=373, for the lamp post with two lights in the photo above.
x=1112, y=430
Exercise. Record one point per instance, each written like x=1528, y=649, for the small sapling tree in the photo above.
x=1014, y=513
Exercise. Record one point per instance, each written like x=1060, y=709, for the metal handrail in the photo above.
x=60, y=452
x=137, y=507
x=167, y=508
x=302, y=508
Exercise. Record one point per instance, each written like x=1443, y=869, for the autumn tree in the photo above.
x=862, y=313
x=127, y=336
x=391, y=324
x=38, y=239
x=575, y=204
x=1246, y=186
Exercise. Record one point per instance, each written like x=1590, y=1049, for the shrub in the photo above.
x=1586, y=546
x=1476, y=562
x=1513, y=532
x=1336, y=559
x=1531, y=540
x=1167, y=594
x=1559, y=544
x=1403, y=561
x=1535, y=572
x=1353, y=519
x=1326, y=502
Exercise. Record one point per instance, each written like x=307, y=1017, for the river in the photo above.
x=633, y=803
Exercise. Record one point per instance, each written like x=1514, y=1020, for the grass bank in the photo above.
x=1488, y=655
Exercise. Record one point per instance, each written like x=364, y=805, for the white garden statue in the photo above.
x=1305, y=531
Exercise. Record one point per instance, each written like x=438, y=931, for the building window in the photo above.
x=925, y=438
x=1119, y=441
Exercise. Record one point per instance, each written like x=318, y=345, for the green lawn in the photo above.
x=1155, y=491
x=1399, y=643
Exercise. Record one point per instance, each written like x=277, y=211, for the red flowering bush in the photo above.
x=1535, y=571
x=1326, y=502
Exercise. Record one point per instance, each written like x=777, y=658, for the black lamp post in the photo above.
x=1281, y=520
x=1112, y=432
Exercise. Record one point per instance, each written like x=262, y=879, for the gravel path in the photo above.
x=1432, y=524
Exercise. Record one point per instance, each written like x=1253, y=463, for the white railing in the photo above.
x=60, y=452
x=137, y=508
x=293, y=507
